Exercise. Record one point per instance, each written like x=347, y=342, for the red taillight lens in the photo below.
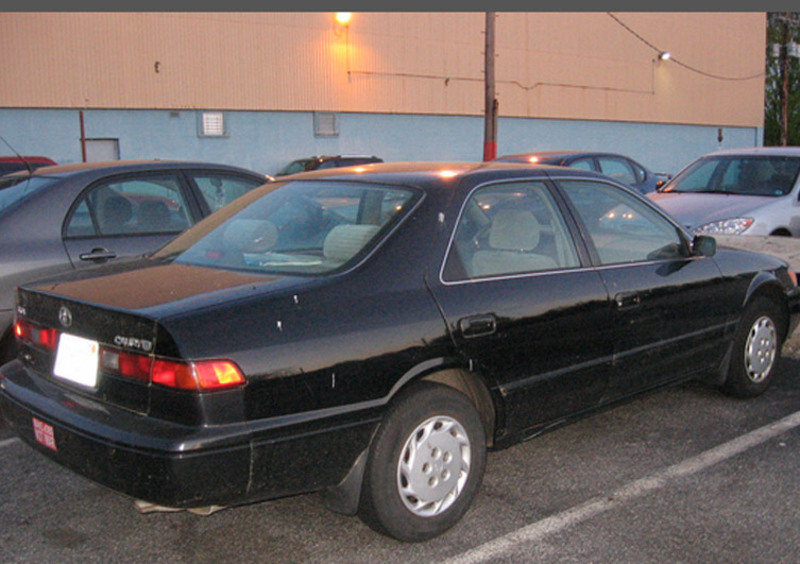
x=200, y=376
x=32, y=334
x=197, y=376
x=133, y=366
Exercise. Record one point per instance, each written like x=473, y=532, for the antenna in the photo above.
x=20, y=157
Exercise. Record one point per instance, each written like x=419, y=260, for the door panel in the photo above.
x=544, y=340
x=126, y=216
x=522, y=308
x=670, y=308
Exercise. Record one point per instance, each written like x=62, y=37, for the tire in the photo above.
x=756, y=350
x=425, y=465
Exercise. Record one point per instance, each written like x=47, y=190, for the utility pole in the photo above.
x=490, y=127
x=787, y=49
x=785, y=83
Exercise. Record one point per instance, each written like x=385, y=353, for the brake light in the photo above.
x=200, y=376
x=32, y=334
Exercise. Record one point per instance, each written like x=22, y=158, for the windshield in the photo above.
x=301, y=227
x=746, y=175
x=16, y=188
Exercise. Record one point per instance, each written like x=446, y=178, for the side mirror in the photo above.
x=704, y=246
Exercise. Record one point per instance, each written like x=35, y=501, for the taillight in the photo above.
x=129, y=365
x=32, y=334
x=200, y=376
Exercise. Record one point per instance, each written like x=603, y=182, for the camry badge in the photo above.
x=65, y=316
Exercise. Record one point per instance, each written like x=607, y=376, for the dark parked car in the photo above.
x=327, y=161
x=619, y=167
x=72, y=216
x=14, y=164
x=750, y=191
x=370, y=335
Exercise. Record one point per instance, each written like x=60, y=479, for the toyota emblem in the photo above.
x=65, y=316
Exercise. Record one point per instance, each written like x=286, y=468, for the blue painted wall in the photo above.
x=266, y=141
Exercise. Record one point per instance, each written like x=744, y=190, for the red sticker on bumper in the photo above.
x=44, y=434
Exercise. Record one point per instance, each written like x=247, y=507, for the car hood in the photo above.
x=692, y=209
x=161, y=289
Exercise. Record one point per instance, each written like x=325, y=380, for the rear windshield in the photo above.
x=745, y=175
x=300, y=227
x=16, y=188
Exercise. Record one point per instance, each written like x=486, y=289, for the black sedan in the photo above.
x=65, y=217
x=619, y=167
x=370, y=335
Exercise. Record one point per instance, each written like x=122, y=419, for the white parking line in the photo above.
x=556, y=523
x=8, y=442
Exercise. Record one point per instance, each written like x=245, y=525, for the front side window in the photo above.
x=509, y=229
x=131, y=206
x=301, y=227
x=622, y=228
x=618, y=169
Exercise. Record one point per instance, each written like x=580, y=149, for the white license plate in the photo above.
x=76, y=360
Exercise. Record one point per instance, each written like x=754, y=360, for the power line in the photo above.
x=681, y=63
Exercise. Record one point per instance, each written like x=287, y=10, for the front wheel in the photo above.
x=425, y=465
x=756, y=350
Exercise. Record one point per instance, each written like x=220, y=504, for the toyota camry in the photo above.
x=371, y=333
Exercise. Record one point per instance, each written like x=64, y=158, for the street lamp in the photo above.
x=342, y=20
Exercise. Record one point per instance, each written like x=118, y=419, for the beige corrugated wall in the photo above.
x=571, y=65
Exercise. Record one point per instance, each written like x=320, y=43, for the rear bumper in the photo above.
x=176, y=465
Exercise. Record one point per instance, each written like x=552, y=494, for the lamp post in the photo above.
x=490, y=119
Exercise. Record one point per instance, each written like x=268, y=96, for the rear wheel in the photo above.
x=756, y=350
x=426, y=464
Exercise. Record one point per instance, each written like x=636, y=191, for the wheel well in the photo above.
x=781, y=232
x=774, y=295
x=8, y=346
x=474, y=388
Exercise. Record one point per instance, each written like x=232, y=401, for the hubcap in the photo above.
x=434, y=466
x=760, y=349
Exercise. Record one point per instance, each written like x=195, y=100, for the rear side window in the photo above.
x=509, y=229
x=582, y=164
x=17, y=188
x=131, y=206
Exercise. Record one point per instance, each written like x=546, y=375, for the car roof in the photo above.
x=430, y=174
x=127, y=166
x=774, y=151
x=560, y=154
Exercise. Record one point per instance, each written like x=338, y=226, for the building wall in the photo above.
x=266, y=141
x=403, y=85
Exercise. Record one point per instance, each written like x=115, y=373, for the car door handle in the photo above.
x=627, y=300
x=98, y=254
x=478, y=325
